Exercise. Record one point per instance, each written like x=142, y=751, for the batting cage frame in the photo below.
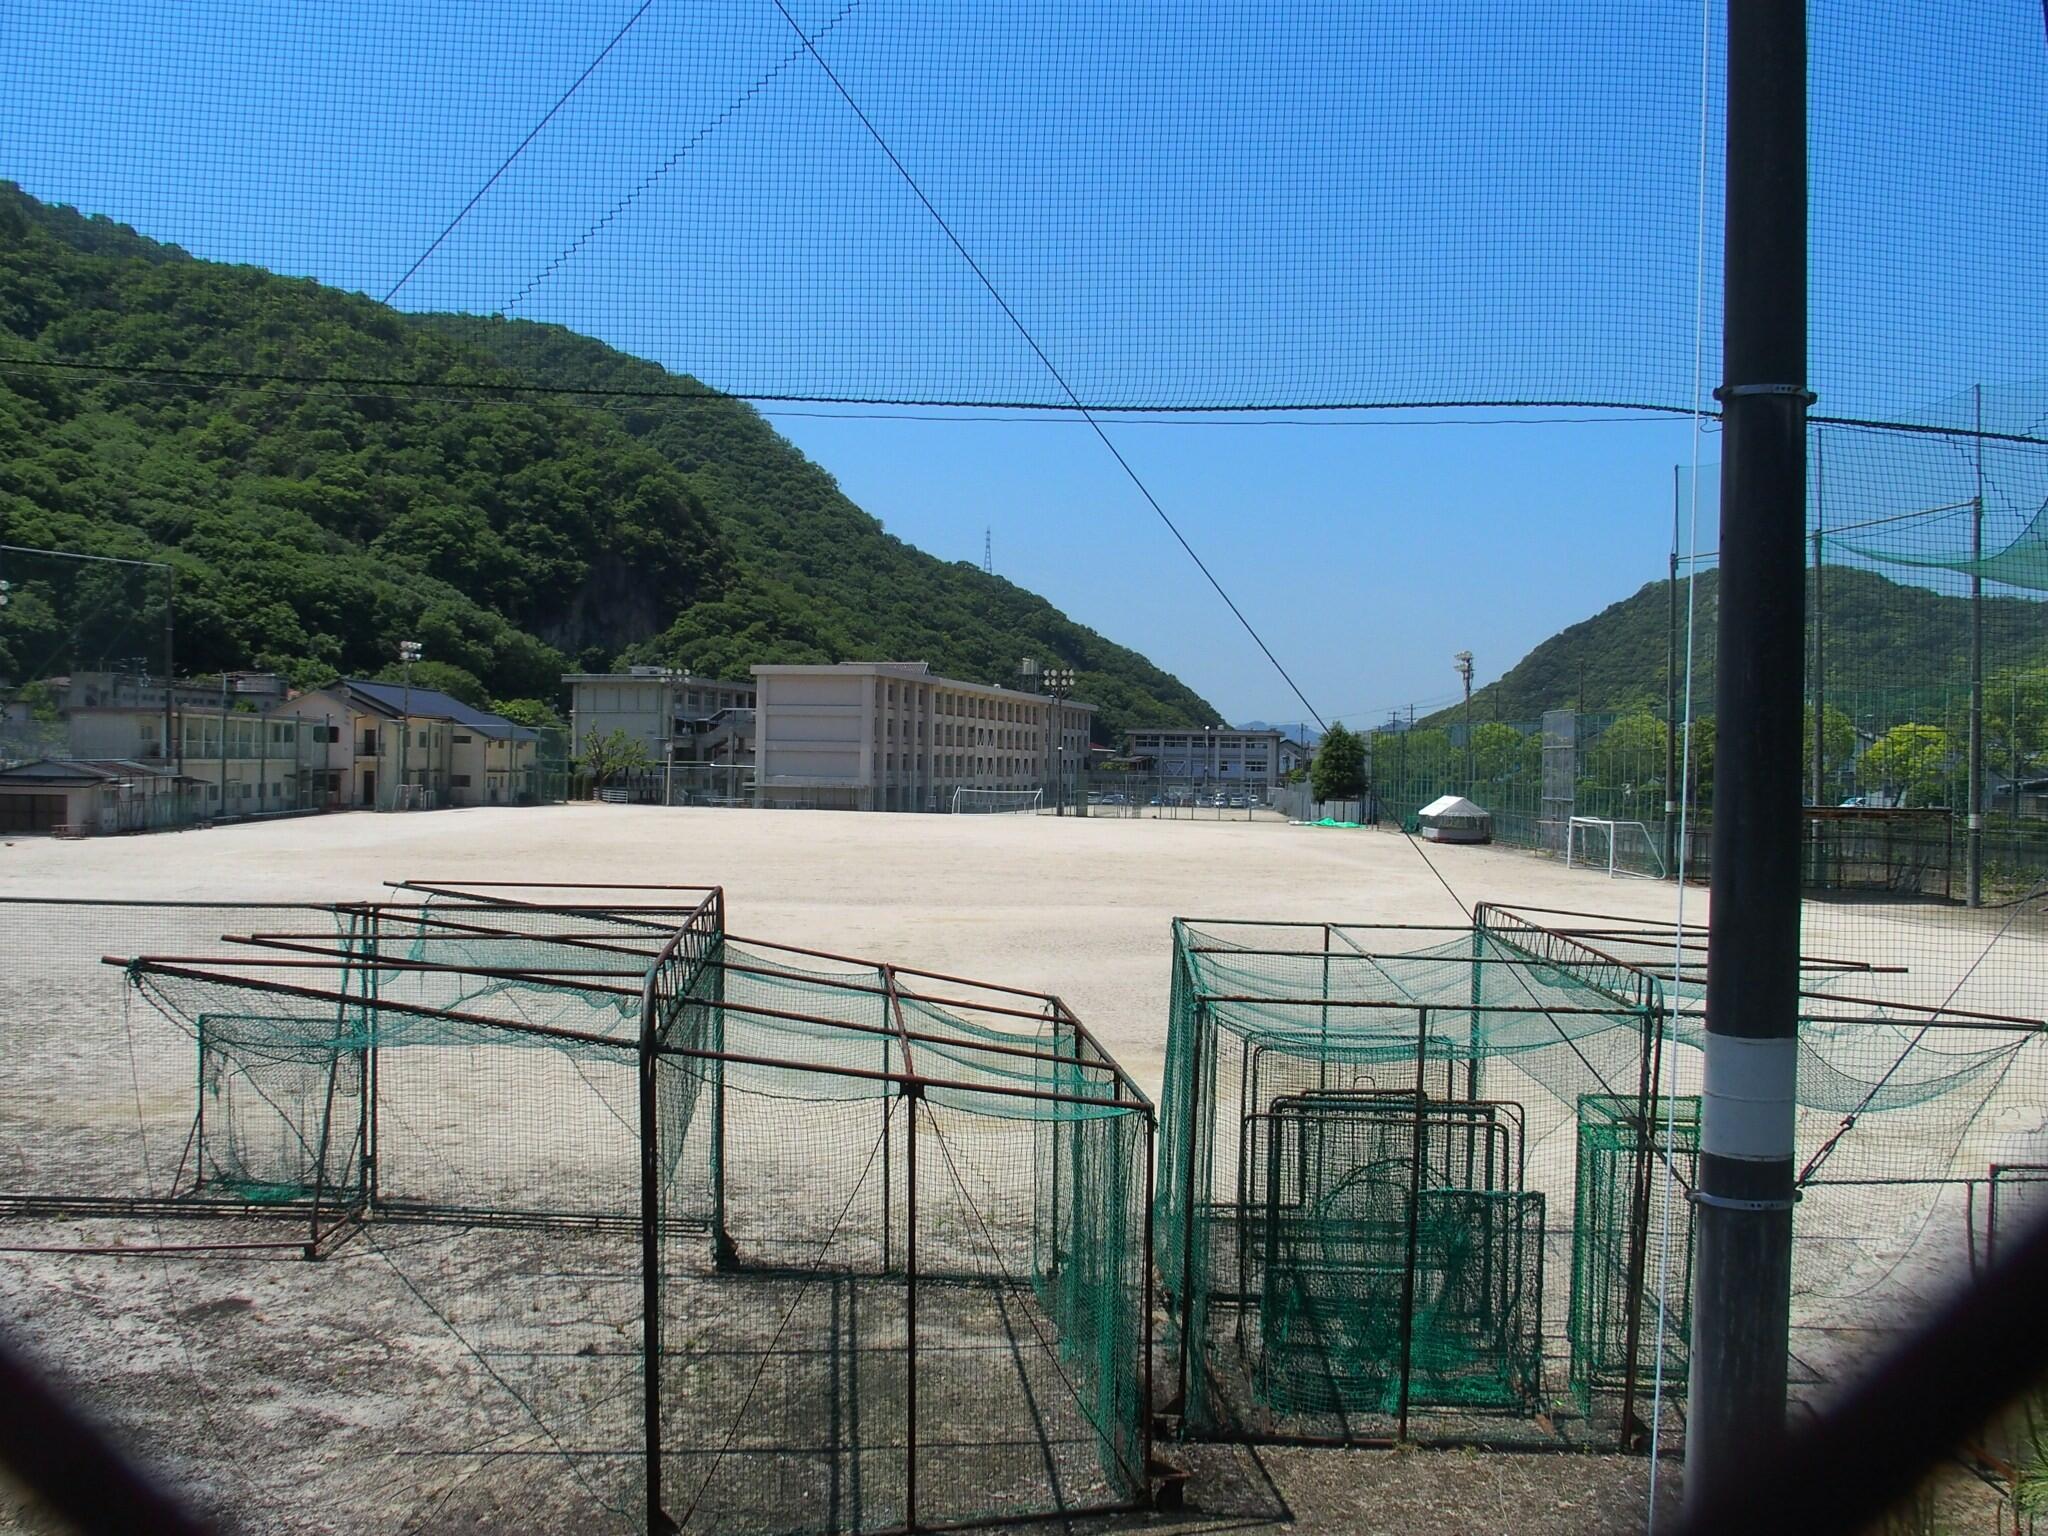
x=1531, y=1083
x=754, y=1236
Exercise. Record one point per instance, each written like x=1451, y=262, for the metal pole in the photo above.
x=404, y=733
x=1144, y=1404
x=173, y=749
x=658, y=1522
x=1820, y=693
x=1416, y=1151
x=223, y=744
x=1745, y=1186
x=371, y=1083
x=1975, y=891
x=913, y=1096
x=668, y=741
x=1671, y=687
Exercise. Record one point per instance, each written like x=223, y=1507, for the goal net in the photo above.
x=986, y=802
x=1621, y=847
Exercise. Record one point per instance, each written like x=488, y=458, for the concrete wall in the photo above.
x=811, y=733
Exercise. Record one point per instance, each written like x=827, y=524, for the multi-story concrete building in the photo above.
x=1208, y=756
x=891, y=736
x=687, y=720
x=39, y=720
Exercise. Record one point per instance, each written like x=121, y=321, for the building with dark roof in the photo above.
x=387, y=747
x=81, y=797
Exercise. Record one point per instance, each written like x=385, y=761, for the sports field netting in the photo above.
x=1431, y=1183
x=1396, y=207
x=736, y=1232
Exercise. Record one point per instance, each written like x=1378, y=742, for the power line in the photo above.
x=1050, y=367
x=531, y=134
x=891, y=408
x=675, y=159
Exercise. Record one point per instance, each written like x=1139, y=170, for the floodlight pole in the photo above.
x=1463, y=662
x=223, y=744
x=408, y=653
x=1059, y=682
x=1745, y=1189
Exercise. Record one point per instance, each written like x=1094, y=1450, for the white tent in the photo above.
x=1454, y=819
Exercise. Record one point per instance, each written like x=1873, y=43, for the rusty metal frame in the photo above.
x=1003, y=1023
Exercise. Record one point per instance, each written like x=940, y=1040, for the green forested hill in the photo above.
x=819, y=579
x=1879, y=635
x=517, y=533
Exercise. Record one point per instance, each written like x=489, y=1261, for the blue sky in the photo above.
x=1188, y=202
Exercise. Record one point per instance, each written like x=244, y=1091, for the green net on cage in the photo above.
x=1629, y=1265
x=1579, y=1039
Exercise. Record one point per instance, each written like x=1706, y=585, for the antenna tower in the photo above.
x=988, y=552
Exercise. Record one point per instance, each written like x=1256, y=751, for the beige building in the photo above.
x=381, y=746
x=891, y=736
x=1209, y=758
x=691, y=720
x=76, y=798
x=236, y=762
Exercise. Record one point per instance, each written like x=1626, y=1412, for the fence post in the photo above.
x=1416, y=1151
x=913, y=1095
x=658, y=1522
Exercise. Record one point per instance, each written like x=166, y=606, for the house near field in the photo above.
x=382, y=746
x=84, y=798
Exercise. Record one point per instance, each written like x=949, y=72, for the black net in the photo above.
x=1338, y=208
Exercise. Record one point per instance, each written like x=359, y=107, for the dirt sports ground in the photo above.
x=286, y=1396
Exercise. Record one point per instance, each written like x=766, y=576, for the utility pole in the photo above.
x=1975, y=836
x=1745, y=1186
x=1463, y=662
x=1820, y=651
x=408, y=653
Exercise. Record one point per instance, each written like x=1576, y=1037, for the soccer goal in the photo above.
x=987, y=802
x=1625, y=847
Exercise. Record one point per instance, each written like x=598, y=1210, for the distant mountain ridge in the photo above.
x=1878, y=634
x=518, y=532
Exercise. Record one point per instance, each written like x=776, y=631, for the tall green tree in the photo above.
x=1838, y=744
x=1338, y=772
x=1911, y=761
x=2016, y=722
x=604, y=757
x=1629, y=753
x=1499, y=751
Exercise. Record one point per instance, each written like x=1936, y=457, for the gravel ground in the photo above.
x=295, y=1397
